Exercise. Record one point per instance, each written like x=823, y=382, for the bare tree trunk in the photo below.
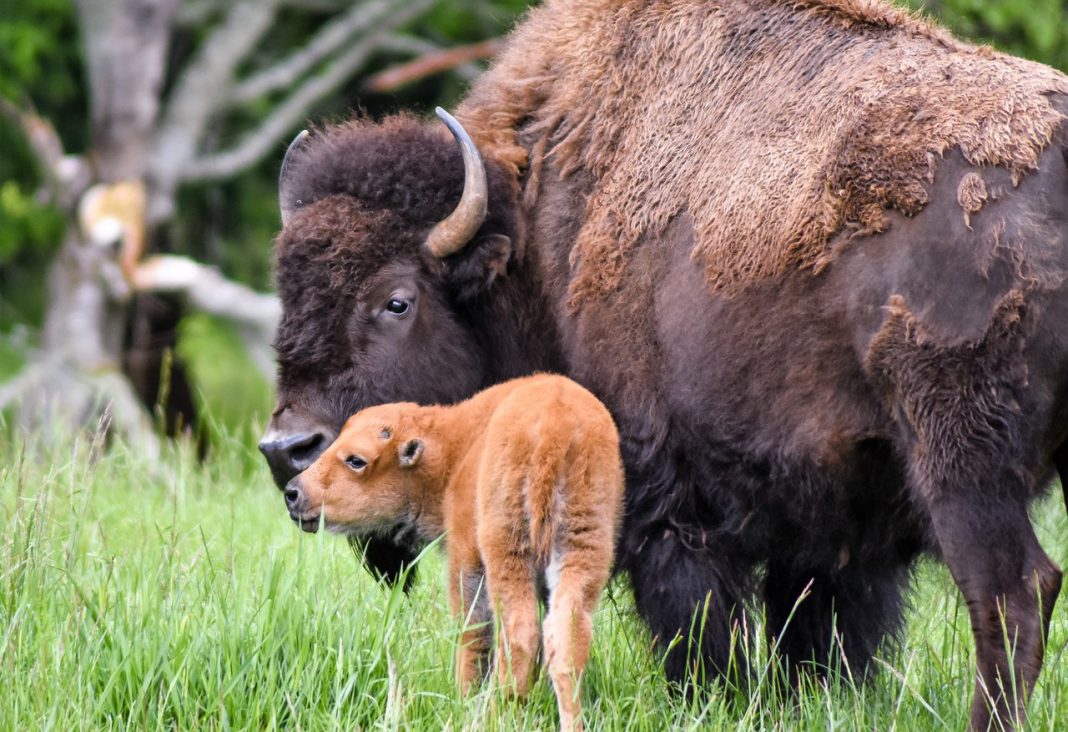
x=144, y=149
x=79, y=370
x=126, y=45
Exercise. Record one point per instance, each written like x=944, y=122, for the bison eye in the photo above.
x=397, y=306
x=356, y=462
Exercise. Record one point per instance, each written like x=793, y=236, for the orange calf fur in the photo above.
x=525, y=481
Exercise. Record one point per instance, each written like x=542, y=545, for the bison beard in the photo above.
x=803, y=409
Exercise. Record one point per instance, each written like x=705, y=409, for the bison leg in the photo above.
x=965, y=410
x=1010, y=586
x=1060, y=459
x=826, y=619
x=568, y=627
x=683, y=593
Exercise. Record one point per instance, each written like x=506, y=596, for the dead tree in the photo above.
x=145, y=145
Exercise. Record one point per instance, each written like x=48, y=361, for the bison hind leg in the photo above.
x=968, y=414
x=822, y=622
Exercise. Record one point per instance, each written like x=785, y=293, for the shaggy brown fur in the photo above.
x=525, y=481
x=971, y=195
x=794, y=440
x=773, y=129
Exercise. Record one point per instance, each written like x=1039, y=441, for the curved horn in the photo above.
x=282, y=205
x=449, y=236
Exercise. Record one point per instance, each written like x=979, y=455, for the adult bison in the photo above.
x=811, y=253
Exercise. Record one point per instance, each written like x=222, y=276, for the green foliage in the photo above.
x=1034, y=29
x=451, y=23
x=176, y=595
x=30, y=233
x=39, y=38
x=40, y=63
x=12, y=358
x=232, y=397
x=24, y=222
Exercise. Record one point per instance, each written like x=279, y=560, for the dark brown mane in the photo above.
x=739, y=114
x=402, y=164
x=368, y=193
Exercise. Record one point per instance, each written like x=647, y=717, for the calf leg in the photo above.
x=682, y=591
x=469, y=599
x=824, y=618
x=568, y=627
x=515, y=602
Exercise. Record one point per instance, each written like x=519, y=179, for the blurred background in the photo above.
x=140, y=142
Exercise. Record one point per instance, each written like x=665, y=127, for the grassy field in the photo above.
x=179, y=596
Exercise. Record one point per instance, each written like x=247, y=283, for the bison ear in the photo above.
x=474, y=270
x=410, y=453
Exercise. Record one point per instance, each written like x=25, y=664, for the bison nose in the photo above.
x=289, y=455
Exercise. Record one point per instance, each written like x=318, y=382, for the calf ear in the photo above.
x=474, y=269
x=411, y=453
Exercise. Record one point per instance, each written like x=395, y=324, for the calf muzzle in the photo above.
x=297, y=503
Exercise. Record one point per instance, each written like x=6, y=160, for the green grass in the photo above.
x=179, y=596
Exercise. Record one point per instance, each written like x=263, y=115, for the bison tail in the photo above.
x=544, y=484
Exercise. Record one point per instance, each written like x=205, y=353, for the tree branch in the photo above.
x=66, y=176
x=255, y=314
x=208, y=290
x=262, y=140
x=359, y=18
x=122, y=409
x=430, y=63
x=125, y=45
x=200, y=92
x=321, y=6
x=194, y=12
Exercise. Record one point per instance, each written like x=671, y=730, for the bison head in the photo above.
x=391, y=234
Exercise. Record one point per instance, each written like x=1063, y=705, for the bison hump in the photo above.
x=776, y=125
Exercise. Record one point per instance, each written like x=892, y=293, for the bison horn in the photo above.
x=285, y=206
x=449, y=236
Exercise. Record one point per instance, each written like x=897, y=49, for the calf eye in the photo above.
x=356, y=462
x=397, y=306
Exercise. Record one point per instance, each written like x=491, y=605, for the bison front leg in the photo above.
x=823, y=620
x=1060, y=459
x=1010, y=586
x=686, y=597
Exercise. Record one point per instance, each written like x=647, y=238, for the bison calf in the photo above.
x=525, y=481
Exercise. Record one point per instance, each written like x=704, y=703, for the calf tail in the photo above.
x=544, y=482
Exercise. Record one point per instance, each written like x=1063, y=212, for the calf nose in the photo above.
x=292, y=496
x=289, y=455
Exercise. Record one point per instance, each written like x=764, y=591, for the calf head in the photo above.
x=368, y=481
